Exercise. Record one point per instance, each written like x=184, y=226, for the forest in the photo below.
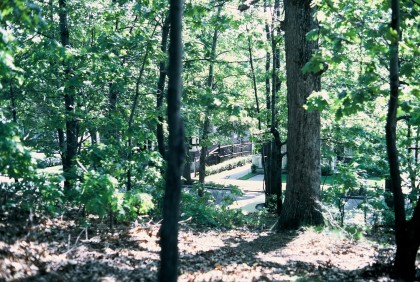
x=209, y=140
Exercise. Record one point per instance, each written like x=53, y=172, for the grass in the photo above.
x=252, y=174
x=248, y=176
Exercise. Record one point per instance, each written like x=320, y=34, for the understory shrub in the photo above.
x=41, y=193
x=100, y=196
x=205, y=211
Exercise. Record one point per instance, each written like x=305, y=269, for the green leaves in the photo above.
x=315, y=65
x=319, y=101
x=15, y=159
x=99, y=193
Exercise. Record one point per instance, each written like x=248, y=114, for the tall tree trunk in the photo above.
x=254, y=82
x=273, y=159
x=206, y=125
x=266, y=151
x=160, y=89
x=175, y=157
x=407, y=234
x=70, y=106
x=301, y=205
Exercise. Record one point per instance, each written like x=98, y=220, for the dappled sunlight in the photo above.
x=325, y=249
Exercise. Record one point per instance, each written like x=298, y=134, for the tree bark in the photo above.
x=161, y=89
x=70, y=106
x=175, y=157
x=301, y=205
x=407, y=234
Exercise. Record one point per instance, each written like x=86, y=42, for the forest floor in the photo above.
x=40, y=248
x=59, y=249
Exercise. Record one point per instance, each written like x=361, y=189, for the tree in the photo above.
x=160, y=89
x=69, y=101
x=407, y=232
x=301, y=205
x=210, y=88
x=175, y=156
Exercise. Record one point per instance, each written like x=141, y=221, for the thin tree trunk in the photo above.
x=187, y=169
x=206, y=125
x=161, y=89
x=301, y=205
x=407, y=234
x=111, y=132
x=138, y=82
x=254, y=83
x=134, y=107
x=13, y=102
x=203, y=152
x=273, y=183
x=70, y=106
x=266, y=152
x=175, y=157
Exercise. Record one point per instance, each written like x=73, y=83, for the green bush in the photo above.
x=204, y=211
x=41, y=193
x=139, y=203
x=99, y=194
x=227, y=165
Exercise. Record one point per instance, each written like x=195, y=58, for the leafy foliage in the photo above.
x=15, y=160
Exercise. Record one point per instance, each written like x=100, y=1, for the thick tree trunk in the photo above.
x=70, y=106
x=407, y=234
x=175, y=157
x=161, y=89
x=301, y=205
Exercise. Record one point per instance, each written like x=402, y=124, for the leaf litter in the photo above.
x=57, y=249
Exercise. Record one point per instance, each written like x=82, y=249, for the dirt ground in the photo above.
x=58, y=249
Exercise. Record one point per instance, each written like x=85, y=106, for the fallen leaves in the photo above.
x=44, y=252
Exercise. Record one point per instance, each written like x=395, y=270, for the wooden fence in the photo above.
x=220, y=153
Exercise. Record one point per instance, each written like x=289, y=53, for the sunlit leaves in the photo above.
x=319, y=100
